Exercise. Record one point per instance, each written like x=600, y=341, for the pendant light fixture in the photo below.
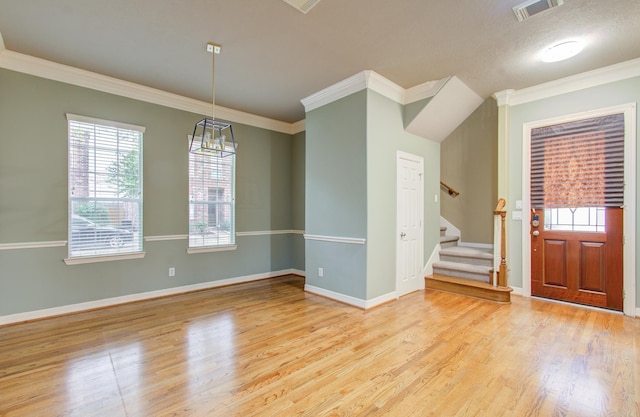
x=210, y=136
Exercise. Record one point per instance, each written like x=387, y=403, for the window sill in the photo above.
x=107, y=258
x=206, y=249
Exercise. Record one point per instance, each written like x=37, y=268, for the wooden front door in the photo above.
x=577, y=190
x=582, y=267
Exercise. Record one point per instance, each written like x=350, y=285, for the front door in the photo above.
x=410, y=205
x=582, y=267
x=577, y=187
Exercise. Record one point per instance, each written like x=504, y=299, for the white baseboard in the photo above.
x=385, y=298
x=516, y=290
x=353, y=301
x=109, y=302
x=298, y=272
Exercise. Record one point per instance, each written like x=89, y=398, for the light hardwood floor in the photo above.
x=269, y=349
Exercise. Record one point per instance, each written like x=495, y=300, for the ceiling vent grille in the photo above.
x=302, y=5
x=533, y=7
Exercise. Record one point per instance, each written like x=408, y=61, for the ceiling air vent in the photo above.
x=302, y=5
x=532, y=7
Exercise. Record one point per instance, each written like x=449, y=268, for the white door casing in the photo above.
x=629, y=251
x=410, y=221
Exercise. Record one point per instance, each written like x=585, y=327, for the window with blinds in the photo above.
x=105, y=187
x=578, y=164
x=211, y=200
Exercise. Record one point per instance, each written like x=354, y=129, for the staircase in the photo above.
x=465, y=270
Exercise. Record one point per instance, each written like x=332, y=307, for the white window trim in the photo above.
x=216, y=248
x=107, y=258
x=111, y=123
x=117, y=256
x=205, y=249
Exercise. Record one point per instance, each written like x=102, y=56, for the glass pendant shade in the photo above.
x=210, y=136
x=213, y=137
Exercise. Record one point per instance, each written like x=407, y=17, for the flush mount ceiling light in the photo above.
x=210, y=136
x=302, y=5
x=562, y=51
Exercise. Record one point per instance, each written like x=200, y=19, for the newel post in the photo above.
x=502, y=269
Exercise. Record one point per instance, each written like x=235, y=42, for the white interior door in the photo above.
x=409, y=253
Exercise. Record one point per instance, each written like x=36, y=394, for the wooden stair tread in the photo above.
x=469, y=287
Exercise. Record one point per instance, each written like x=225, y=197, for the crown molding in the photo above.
x=299, y=126
x=503, y=97
x=82, y=78
x=424, y=90
x=375, y=82
x=600, y=76
x=384, y=86
x=335, y=92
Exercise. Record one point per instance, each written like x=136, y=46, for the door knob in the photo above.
x=535, y=232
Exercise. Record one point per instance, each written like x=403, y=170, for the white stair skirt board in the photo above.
x=109, y=302
x=435, y=257
x=452, y=230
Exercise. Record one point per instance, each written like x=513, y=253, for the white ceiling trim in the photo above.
x=375, y=82
x=53, y=71
x=425, y=90
x=384, y=86
x=335, y=92
x=299, y=126
x=600, y=76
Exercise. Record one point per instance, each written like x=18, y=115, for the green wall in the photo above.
x=469, y=164
x=33, y=198
x=351, y=150
x=386, y=136
x=298, y=198
x=607, y=95
x=335, y=201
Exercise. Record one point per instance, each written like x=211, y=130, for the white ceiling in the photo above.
x=273, y=55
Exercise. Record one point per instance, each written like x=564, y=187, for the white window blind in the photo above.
x=105, y=187
x=211, y=200
x=578, y=164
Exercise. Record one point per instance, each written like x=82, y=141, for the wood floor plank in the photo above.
x=268, y=348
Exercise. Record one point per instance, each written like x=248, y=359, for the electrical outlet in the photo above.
x=320, y=272
x=172, y=272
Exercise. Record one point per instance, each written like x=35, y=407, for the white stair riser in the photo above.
x=449, y=244
x=461, y=274
x=466, y=260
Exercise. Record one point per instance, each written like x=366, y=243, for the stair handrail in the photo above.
x=499, y=245
x=448, y=189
